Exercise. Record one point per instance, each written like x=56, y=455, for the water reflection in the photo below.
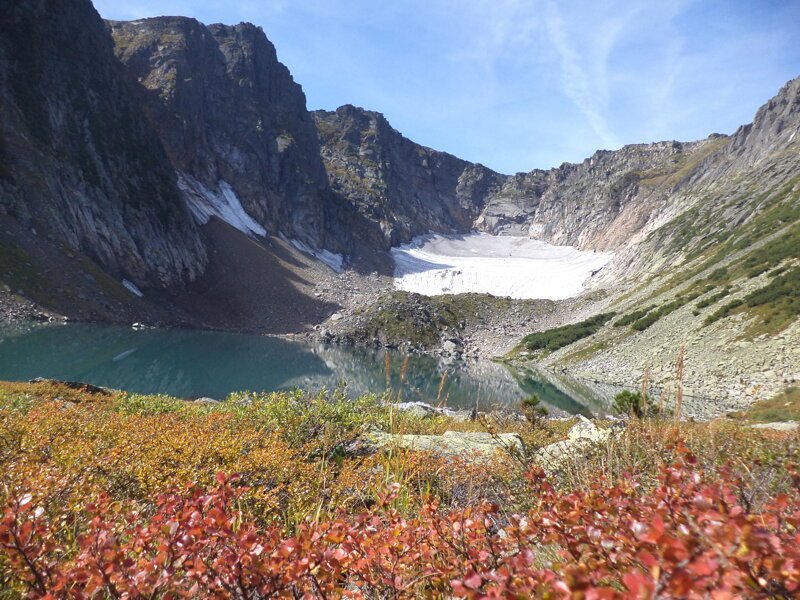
x=190, y=364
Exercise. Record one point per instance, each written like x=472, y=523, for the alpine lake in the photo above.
x=191, y=364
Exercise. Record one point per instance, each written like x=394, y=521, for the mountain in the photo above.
x=169, y=171
x=158, y=171
x=706, y=242
x=233, y=122
x=401, y=189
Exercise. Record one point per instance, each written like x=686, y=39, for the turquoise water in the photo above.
x=191, y=364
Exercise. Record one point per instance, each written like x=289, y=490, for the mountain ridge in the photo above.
x=180, y=159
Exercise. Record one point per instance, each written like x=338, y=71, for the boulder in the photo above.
x=582, y=436
x=785, y=426
x=473, y=445
x=206, y=400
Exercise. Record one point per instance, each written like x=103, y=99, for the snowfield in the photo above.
x=223, y=204
x=334, y=261
x=517, y=267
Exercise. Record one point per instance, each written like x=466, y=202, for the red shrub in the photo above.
x=692, y=537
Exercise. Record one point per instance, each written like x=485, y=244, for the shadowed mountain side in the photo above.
x=264, y=286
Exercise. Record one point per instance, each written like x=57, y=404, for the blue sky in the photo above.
x=523, y=84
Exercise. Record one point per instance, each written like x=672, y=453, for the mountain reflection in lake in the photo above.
x=190, y=364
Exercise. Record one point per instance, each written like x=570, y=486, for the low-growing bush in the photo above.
x=633, y=316
x=556, y=338
x=694, y=535
x=654, y=315
x=634, y=404
x=776, y=304
x=714, y=298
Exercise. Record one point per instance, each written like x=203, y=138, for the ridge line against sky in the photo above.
x=524, y=84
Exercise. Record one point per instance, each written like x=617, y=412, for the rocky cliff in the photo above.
x=234, y=124
x=401, y=189
x=601, y=203
x=80, y=168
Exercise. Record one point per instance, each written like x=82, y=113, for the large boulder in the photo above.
x=582, y=437
x=471, y=445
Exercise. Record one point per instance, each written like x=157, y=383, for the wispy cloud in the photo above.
x=588, y=92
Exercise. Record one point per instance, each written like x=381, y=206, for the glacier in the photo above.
x=513, y=266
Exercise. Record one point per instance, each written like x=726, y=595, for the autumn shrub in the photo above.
x=298, y=454
x=691, y=536
x=112, y=495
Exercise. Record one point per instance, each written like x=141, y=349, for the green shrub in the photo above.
x=634, y=316
x=713, y=299
x=553, y=339
x=533, y=410
x=644, y=322
x=634, y=404
x=777, y=303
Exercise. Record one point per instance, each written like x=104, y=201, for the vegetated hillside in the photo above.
x=719, y=278
x=282, y=494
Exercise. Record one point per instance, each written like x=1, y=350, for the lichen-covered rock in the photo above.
x=474, y=445
x=582, y=437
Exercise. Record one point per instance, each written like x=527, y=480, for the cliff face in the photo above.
x=233, y=121
x=79, y=164
x=400, y=188
x=601, y=203
x=407, y=189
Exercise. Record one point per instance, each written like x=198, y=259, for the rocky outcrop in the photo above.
x=775, y=126
x=80, y=168
x=475, y=446
x=400, y=188
x=234, y=124
x=602, y=203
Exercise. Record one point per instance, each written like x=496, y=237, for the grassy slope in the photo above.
x=722, y=259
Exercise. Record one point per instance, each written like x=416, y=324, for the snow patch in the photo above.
x=334, y=261
x=131, y=287
x=517, y=267
x=223, y=204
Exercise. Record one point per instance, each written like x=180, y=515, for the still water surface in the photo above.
x=191, y=364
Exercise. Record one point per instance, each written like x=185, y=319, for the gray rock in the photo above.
x=471, y=445
x=581, y=437
x=785, y=426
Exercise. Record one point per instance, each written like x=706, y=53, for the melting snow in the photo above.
x=334, y=261
x=131, y=287
x=205, y=203
x=517, y=267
